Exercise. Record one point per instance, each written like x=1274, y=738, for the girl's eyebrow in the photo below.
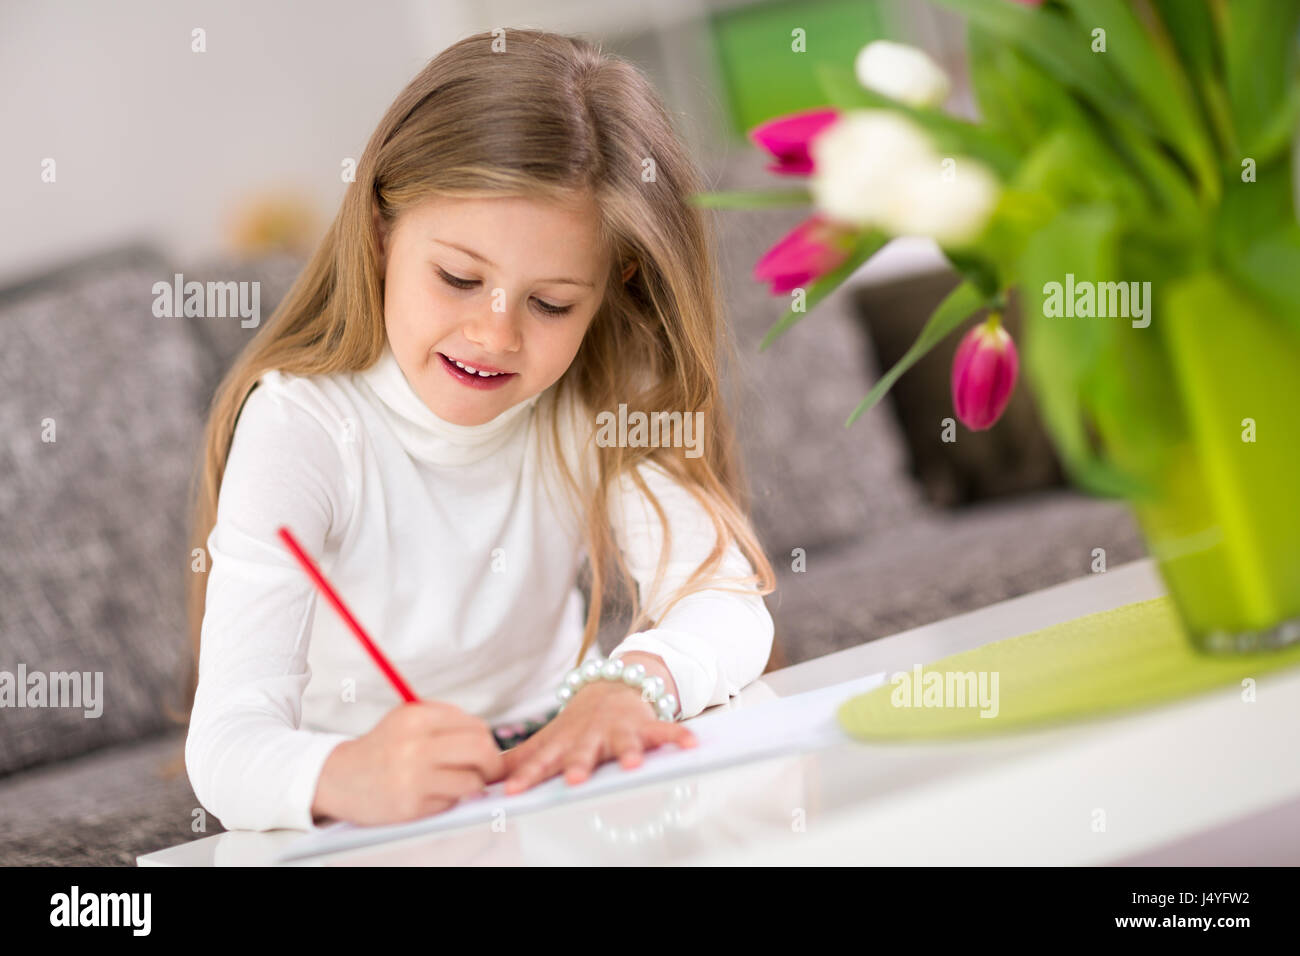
x=474, y=255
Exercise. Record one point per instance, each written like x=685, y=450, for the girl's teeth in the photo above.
x=474, y=371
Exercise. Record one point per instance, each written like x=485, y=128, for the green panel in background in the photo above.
x=763, y=76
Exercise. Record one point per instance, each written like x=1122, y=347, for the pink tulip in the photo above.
x=813, y=248
x=787, y=138
x=983, y=374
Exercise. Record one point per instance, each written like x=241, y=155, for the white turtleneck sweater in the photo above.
x=455, y=548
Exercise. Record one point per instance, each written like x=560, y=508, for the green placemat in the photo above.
x=1132, y=656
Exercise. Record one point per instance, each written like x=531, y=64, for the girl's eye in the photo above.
x=455, y=281
x=550, y=309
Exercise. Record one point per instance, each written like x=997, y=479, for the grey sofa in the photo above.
x=94, y=558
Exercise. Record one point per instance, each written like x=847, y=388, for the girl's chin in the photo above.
x=454, y=405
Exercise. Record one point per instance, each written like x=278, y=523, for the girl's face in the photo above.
x=502, y=285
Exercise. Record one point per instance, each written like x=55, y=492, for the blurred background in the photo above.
x=226, y=165
x=156, y=142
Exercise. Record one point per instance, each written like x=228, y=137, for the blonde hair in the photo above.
x=550, y=116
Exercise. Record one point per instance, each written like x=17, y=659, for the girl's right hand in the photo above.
x=420, y=759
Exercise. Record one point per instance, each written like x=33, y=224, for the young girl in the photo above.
x=516, y=255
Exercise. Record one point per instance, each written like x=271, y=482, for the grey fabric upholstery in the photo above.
x=92, y=567
x=939, y=565
x=101, y=809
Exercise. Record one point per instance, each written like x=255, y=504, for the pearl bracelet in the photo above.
x=652, y=688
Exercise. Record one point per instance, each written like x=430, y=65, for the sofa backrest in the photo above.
x=99, y=425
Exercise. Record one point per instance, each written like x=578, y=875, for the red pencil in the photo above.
x=314, y=572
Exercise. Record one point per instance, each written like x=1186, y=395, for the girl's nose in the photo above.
x=493, y=332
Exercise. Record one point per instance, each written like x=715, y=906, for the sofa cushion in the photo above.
x=94, y=554
x=102, y=809
x=945, y=563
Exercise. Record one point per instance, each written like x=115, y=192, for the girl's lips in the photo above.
x=486, y=382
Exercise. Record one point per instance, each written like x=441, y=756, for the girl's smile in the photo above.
x=474, y=376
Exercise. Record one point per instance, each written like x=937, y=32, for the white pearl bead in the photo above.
x=667, y=705
x=652, y=686
x=634, y=675
x=573, y=679
x=591, y=671
x=564, y=693
x=612, y=669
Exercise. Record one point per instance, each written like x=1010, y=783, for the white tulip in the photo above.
x=902, y=73
x=875, y=169
x=857, y=159
x=952, y=210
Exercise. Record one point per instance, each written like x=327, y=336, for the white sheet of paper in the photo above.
x=799, y=723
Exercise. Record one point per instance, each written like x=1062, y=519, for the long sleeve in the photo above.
x=249, y=761
x=713, y=641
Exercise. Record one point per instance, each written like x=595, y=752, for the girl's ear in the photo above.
x=628, y=270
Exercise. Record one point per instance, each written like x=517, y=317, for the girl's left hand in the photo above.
x=603, y=720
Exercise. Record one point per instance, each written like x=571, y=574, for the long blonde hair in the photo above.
x=550, y=115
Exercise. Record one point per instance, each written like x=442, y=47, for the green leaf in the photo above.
x=867, y=246
x=1016, y=97
x=1169, y=189
x=1060, y=47
x=1062, y=354
x=1253, y=209
x=1269, y=268
x=959, y=305
x=1275, y=135
x=1074, y=168
x=756, y=199
x=1152, y=71
x=1191, y=30
x=1260, y=53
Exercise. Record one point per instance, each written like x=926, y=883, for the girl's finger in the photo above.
x=518, y=755
x=663, y=731
x=541, y=766
x=582, y=757
x=626, y=746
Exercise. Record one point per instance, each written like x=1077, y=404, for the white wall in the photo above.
x=155, y=142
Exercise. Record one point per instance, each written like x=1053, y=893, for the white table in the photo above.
x=1208, y=781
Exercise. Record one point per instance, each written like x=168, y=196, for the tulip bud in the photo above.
x=788, y=137
x=813, y=248
x=983, y=374
x=902, y=73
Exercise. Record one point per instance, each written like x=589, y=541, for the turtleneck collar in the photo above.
x=425, y=435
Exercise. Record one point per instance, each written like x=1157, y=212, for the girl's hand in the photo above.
x=603, y=720
x=420, y=759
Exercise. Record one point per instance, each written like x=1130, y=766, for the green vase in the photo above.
x=1224, y=521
